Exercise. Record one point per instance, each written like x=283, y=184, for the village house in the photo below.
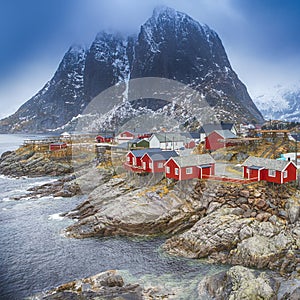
x=138, y=143
x=105, y=138
x=125, y=136
x=218, y=139
x=133, y=158
x=153, y=162
x=270, y=170
x=206, y=129
x=167, y=141
x=57, y=146
x=190, y=167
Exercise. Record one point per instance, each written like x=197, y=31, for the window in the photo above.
x=134, y=161
x=285, y=174
x=128, y=159
x=189, y=171
x=150, y=165
x=160, y=165
x=176, y=171
x=247, y=171
x=168, y=170
x=272, y=173
x=144, y=165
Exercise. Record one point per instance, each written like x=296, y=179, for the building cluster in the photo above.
x=167, y=154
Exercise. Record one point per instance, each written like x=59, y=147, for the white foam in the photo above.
x=56, y=217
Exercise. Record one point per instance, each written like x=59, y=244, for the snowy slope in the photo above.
x=280, y=103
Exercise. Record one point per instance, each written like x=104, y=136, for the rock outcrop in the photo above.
x=243, y=283
x=106, y=285
x=120, y=207
x=24, y=162
x=244, y=226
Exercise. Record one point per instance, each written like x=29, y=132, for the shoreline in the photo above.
x=259, y=229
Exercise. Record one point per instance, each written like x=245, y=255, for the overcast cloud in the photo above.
x=260, y=37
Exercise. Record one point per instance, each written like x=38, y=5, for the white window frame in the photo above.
x=160, y=165
x=189, y=171
x=134, y=161
x=144, y=165
x=151, y=166
x=176, y=171
x=128, y=159
x=168, y=170
x=285, y=174
x=271, y=173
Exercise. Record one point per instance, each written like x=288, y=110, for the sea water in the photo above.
x=36, y=256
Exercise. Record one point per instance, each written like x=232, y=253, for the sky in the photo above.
x=260, y=37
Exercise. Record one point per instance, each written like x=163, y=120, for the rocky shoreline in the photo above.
x=23, y=162
x=254, y=226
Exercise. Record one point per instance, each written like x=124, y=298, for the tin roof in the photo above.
x=226, y=134
x=141, y=152
x=267, y=163
x=163, y=155
x=193, y=160
x=169, y=137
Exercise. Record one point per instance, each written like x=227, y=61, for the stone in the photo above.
x=260, y=203
x=235, y=284
x=244, y=193
x=293, y=210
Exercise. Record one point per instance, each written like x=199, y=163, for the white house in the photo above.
x=167, y=141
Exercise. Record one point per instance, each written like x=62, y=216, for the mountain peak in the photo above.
x=164, y=10
x=170, y=45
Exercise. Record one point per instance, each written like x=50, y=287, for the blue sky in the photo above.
x=260, y=37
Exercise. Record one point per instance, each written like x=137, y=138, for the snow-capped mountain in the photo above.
x=169, y=45
x=281, y=103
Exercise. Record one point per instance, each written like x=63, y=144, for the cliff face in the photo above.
x=170, y=45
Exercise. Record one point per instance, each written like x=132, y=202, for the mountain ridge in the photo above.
x=170, y=45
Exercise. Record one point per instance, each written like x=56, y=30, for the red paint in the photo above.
x=157, y=166
x=190, y=145
x=58, y=146
x=184, y=174
x=104, y=139
x=264, y=174
x=291, y=173
x=172, y=166
x=212, y=142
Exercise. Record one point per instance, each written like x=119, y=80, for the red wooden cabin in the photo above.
x=217, y=139
x=153, y=162
x=57, y=146
x=190, y=167
x=133, y=158
x=105, y=138
x=270, y=170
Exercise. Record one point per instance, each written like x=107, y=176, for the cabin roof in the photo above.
x=163, y=155
x=267, y=163
x=169, y=137
x=193, y=160
x=208, y=128
x=141, y=152
x=226, y=134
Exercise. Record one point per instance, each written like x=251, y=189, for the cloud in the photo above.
x=23, y=84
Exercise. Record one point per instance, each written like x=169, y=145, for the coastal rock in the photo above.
x=118, y=207
x=24, y=162
x=243, y=283
x=106, y=285
x=234, y=239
